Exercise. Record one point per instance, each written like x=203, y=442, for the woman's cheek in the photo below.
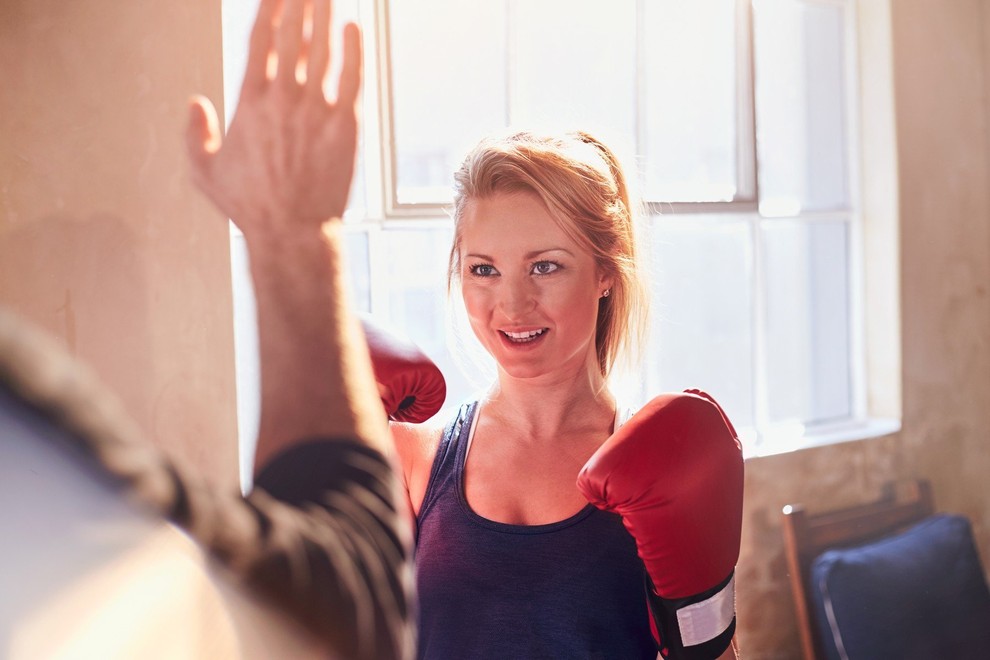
x=477, y=305
x=472, y=301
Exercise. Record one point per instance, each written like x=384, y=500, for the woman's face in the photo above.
x=531, y=293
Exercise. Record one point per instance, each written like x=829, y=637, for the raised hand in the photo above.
x=282, y=174
x=287, y=161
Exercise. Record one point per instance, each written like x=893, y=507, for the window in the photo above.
x=615, y=68
x=733, y=117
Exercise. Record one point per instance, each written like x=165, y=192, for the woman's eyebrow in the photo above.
x=536, y=253
x=529, y=255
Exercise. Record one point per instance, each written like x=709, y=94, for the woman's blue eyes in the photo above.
x=538, y=268
x=483, y=270
x=545, y=267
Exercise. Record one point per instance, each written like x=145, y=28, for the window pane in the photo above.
x=690, y=100
x=246, y=359
x=702, y=311
x=358, y=269
x=567, y=64
x=808, y=374
x=415, y=263
x=573, y=66
x=237, y=20
x=448, y=65
x=800, y=105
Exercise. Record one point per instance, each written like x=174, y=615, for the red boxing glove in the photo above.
x=411, y=386
x=674, y=472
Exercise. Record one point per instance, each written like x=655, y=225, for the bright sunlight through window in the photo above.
x=734, y=117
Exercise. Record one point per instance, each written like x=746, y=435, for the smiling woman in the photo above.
x=530, y=291
x=571, y=198
x=545, y=260
x=565, y=197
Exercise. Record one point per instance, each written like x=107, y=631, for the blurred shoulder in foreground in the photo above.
x=114, y=551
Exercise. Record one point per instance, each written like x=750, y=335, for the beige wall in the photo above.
x=103, y=241
x=926, y=208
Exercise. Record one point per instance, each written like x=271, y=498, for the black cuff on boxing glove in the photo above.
x=698, y=627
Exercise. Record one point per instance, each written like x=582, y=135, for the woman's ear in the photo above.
x=604, y=285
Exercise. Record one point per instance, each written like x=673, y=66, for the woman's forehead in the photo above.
x=511, y=221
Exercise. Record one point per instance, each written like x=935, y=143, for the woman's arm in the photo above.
x=415, y=448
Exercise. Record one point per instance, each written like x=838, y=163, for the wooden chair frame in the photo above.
x=808, y=535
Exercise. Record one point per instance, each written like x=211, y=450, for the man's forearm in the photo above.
x=316, y=378
x=322, y=533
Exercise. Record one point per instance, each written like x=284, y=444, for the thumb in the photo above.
x=202, y=134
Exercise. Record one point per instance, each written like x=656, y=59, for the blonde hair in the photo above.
x=583, y=187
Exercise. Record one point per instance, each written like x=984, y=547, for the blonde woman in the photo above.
x=512, y=559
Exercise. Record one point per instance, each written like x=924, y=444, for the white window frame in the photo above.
x=383, y=211
x=744, y=200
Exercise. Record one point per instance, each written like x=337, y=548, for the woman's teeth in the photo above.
x=522, y=337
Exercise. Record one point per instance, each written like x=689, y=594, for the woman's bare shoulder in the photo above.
x=415, y=441
x=416, y=446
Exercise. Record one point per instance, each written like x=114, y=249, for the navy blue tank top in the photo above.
x=569, y=589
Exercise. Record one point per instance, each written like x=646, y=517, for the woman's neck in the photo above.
x=548, y=407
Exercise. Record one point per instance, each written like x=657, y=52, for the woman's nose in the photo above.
x=517, y=298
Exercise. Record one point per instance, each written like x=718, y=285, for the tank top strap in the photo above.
x=447, y=464
x=622, y=415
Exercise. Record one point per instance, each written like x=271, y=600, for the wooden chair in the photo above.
x=808, y=535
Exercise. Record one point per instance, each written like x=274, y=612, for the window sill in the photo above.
x=789, y=438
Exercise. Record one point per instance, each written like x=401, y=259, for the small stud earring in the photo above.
x=606, y=292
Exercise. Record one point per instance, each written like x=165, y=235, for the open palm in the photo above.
x=287, y=160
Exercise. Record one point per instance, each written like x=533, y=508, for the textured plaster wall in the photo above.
x=103, y=241
x=926, y=208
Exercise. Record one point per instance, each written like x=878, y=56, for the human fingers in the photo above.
x=319, y=50
x=202, y=135
x=350, y=73
x=288, y=42
x=256, y=75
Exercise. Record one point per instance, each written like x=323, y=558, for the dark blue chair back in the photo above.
x=921, y=593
